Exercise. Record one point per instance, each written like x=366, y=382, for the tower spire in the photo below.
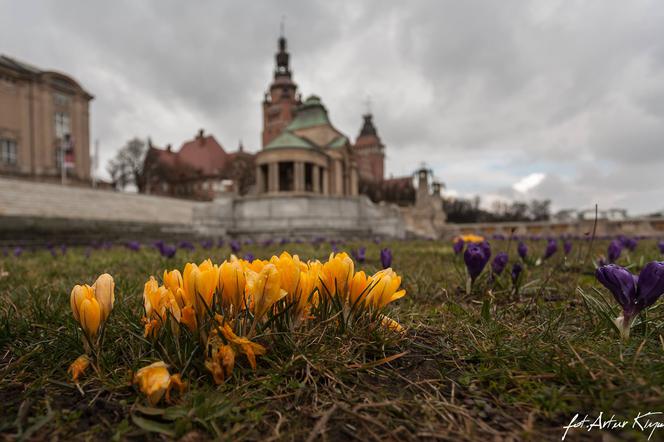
x=282, y=57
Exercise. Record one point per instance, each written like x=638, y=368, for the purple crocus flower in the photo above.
x=235, y=246
x=522, y=250
x=267, y=242
x=661, y=246
x=134, y=246
x=386, y=258
x=187, y=245
x=458, y=246
x=249, y=257
x=516, y=271
x=18, y=251
x=567, y=246
x=551, y=248
x=220, y=243
x=614, y=250
x=168, y=251
x=207, y=244
x=499, y=263
x=63, y=249
x=360, y=254
x=475, y=259
x=632, y=293
x=630, y=244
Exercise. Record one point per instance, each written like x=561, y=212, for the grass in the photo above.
x=489, y=365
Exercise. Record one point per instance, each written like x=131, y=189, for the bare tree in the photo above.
x=127, y=165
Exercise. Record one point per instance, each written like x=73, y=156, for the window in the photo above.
x=7, y=151
x=61, y=100
x=62, y=125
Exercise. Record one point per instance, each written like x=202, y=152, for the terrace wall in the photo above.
x=633, y=226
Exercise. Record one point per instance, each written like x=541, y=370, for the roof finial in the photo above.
x=367, y=104
x=282, y=26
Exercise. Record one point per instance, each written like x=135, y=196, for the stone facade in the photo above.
x=42, y=114
x=308, y=156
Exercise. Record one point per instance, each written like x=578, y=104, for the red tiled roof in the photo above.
x=204, y=154
x=399, y=182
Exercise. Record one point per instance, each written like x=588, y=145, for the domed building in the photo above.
x=302, y=151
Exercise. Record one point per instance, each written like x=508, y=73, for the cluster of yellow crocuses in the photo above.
x=225, y=306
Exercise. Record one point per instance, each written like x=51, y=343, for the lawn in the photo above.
x=491, y=364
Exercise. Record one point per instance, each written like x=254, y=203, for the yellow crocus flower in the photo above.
x=358, y=288
x=289, y=269
x=206, y=280
x=264, y=288
x=337, y=274
x=232, y=283
x=154, y=381
x=385, y=288
x=173, y=280
x=189, y=318
x=189, y=283
x=78, y=294
x=104, y=290
x=90, y=316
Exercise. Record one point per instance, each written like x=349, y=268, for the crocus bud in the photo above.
x=386, y=258
x=620, y=282
x=104, y=288
x=90, y=316
x=551, y=249
x=614, y=250
x=499, y=262
x=567, y=247
x=516, y=271
x=458, y=246
x=475, y=260
x=660, y=245
x=522, y=249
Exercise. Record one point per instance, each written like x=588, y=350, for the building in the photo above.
x=369, y=152
x=302, y=151
x=200, y=169
x=42, y=115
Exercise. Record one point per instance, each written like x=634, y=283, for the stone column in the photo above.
x=354, y=185
x=260, y=183
x=315, y=176
x=326, y=181
x=338, y=178
x=298, y=175
x=273, y=177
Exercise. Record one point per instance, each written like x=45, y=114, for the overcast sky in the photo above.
x=505, y=99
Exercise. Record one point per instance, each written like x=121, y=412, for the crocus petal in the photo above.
x=104, y=288
x=620, y=282
x=650, y=284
